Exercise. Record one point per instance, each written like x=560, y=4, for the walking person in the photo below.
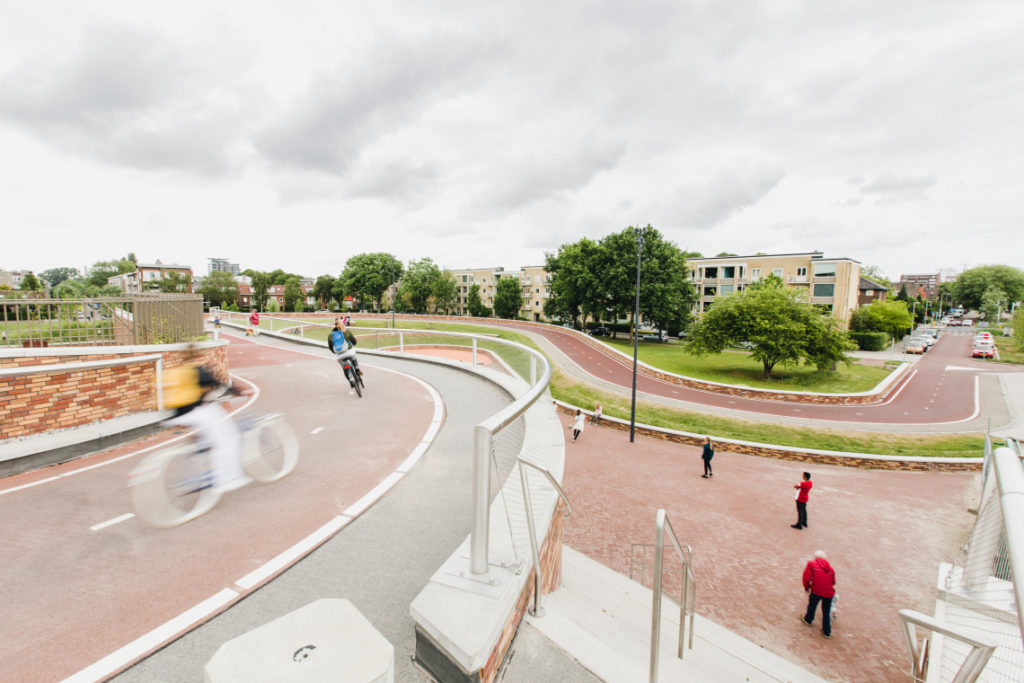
x=706, y=454
x=801, y=501
x=820, y=585
x=577, y=425
x=254, y=322
x=596, y=419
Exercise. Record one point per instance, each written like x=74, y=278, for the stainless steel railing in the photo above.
x=537, y=610
x=981, y=646
x=687, y=593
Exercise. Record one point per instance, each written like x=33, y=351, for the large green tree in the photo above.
x=30, y=283
x=508, y=298
x=444, y=292
x=891, y=317
x=417, y=287
x=292, y=294
x=55, y=276
x=782, y=329
x=323, y=290
x=368, y=276
x=576, y=283
x=101, y=270
x=993, y=302
x=475, y=304
x=220, y=289
x=172, y=282
x=970, y=286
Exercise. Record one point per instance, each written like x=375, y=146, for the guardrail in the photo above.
x=537, y=610
x=687, y=593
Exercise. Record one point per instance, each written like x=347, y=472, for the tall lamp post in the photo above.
x=640, y=234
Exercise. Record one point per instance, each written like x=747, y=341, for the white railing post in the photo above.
x=474, y=352
x=478, y=543
x=401, y=342
x=659, y=557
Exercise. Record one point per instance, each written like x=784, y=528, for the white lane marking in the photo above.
x=317, y=430
x=111, y=522
x=268, y=569
x=360, y=506
x=140, y=646
x=86, y=468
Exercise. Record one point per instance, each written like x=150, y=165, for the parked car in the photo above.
x=967, y=322
x=983, y=350
x=916, y=345
x=654, y=336
x=955, y=322
x=601, y=332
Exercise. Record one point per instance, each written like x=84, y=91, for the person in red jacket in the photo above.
x=820, y=584
x=801, y=501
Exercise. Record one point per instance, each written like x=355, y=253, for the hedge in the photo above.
x=870, y=341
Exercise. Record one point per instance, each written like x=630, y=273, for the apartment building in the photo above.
x=222, y=264
x=536, y=290
x=830, y=282
x=927, y=285
x=465, y=278
x=144, y=276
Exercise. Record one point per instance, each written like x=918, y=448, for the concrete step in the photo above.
x=603, y=619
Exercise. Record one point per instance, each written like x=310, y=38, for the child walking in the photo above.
x=577, y=425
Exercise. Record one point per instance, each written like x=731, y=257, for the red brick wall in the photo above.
x=43, y=402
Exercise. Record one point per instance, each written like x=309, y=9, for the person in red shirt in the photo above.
x=801, y=501
x=820, y=585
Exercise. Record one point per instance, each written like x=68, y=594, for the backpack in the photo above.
x=181, y=386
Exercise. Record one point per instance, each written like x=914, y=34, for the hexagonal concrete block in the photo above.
x=327, y=640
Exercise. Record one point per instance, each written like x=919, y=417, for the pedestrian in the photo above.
x=596, y=418
x=577, y=425
x=348, y=320
x=820, y=585
x=706, y=454
x=254, y=322
x=802, y=494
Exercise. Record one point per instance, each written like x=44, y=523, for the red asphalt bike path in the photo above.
x=71, y=595
x=940, y=388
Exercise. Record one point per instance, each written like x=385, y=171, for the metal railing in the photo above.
x=981, y=597
x=687, y=592
x=537, y=610
x=973, y=664
x=101, y=321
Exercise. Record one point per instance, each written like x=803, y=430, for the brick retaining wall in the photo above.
x=42, y=402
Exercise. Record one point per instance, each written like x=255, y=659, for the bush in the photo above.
x=870, y=341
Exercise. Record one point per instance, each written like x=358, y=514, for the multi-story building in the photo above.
x=927, y=285
x=222, y=264
x=830, y=282
x=144, y=276
x=465, y=278
x=536, y=290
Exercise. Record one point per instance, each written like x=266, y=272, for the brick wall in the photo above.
x=42, y=402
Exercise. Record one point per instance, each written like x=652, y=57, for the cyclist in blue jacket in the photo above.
x=342, y=343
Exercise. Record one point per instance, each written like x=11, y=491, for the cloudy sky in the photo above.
x=294, y=135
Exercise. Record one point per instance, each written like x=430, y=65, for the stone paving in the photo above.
x=884, y=532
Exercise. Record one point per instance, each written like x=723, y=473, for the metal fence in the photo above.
x=102, y=321
x=980, y=594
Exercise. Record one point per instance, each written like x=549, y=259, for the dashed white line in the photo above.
x=317, y=430
x=111, y=522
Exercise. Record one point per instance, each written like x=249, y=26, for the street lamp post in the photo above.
x=640, y=233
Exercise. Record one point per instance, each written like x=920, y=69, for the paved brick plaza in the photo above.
x=885, y=534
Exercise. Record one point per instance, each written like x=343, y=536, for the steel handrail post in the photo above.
x=474, y=352
x=659, y=556
x=537, y=610
x=478, y=541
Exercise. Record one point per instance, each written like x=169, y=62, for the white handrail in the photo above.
x=537, y=610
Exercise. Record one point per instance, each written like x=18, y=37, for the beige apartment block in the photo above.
x=465, y=278
x=536, y=290
x=830, y=282
x=146, y=274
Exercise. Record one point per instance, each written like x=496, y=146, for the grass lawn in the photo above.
x=1010, y=351
x=737, y=367
x=569, y=390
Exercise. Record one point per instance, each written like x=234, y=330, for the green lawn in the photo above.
x=737, y=367
x=1009, y=350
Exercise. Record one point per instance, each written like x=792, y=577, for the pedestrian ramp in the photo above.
x=603, y=619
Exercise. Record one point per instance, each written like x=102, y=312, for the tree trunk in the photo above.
x=767, y=368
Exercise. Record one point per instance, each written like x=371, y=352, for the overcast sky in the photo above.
x=295, y=135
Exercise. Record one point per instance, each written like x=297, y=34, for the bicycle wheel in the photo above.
x=358, y=383
x=173, y=485
x=270, y=450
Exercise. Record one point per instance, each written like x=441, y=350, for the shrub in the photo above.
x=870, y=341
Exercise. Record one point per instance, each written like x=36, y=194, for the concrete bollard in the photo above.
x=326, y=640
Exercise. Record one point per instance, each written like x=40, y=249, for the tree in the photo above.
x=101, y=270
x=992, y=303
x=891, y=317
x=368, y=276
x=55, y=276
x=875, y=274
x=903, y=294
x=444, y=292
x=220, y=289
x=725, y=253
x=260, y=283
x=1018, y=327
x=782, y=329
x=475, y=304
x=575, y=283
x=172, y=282
x=30, y=283
x=323, y=290
x=418, y=284
x=292, y=293
x=971, y=285
x=508, y=298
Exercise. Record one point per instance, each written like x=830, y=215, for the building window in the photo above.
x=711, y=273
x=725, y=289
x=710, y=291
x=824, y=289
x=801, y=273
x=755, y=274
x=777, y=272
x=824, y=270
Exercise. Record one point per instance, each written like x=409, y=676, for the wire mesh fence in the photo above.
x=102, y=321
x=980, y=588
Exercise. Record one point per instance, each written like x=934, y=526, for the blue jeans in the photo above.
x=826, y=612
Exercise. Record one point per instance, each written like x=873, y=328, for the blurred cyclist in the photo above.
x=342, y=344
x=187, y=389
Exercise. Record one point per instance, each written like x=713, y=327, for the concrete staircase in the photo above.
x=603, y=619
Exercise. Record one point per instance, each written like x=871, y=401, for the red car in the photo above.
x=980, y=350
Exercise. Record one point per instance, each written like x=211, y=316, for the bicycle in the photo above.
x=175, y=485
x=352, y=374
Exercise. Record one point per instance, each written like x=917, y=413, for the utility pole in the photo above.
x=640, y=234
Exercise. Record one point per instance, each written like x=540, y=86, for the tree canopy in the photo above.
x=55, y=276
x=891, y=317
x=970, y=286
x=508, y=298
x=475, y=304
x=101, y=270
x=417, y=288
x=781, y=329
x=30, y=283
x=368, y=276
x=292, y=294
x=220, y=289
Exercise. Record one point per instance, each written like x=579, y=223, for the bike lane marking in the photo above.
x=111, y=522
